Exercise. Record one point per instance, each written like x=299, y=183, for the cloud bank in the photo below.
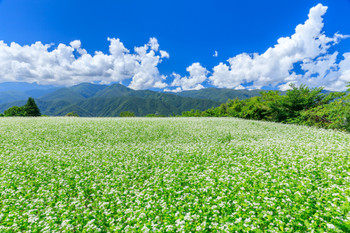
x=71, y=64
x=198, y=75
x=302, y=58
x=307, y=47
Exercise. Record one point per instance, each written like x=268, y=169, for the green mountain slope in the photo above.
x=114, y=90
x=5, y=106
x=63, y=94
x=11, y=96
x=140, y=106
x=99, y=100
x=87, y=90
x=74, y=94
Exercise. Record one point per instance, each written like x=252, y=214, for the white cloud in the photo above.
x=153, y=43
x=178, y=89
x=308, y=45
x=216, y=54
x=164, y=54
x=198, y=75
x=70, y=64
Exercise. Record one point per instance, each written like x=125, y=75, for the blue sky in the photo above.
x=188, y=31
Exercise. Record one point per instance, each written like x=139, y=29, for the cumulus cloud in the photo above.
x=275, y=67
x=70, y=64
x=164, y=54
x=198, y=74
x=216, y=54
x=302, y=58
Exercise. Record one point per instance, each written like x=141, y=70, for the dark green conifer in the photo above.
x=31, y=108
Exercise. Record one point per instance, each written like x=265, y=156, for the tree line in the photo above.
x=29, y=109
x=300, y=105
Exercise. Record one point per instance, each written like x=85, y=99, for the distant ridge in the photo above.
x=93, y=100
x=13, y=91
x=110, y=100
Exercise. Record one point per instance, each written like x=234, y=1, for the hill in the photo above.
x=108, y=101
x=75, y=93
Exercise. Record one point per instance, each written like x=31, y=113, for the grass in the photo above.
x=171, y=174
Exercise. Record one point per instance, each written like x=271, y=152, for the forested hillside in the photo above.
x=299, y=105
x=108, y=101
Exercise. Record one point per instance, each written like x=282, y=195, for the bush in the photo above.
x=15, y=111
x=127, y=114
x=29, y=109
x=72, y=114
x=300, y=105
x=335, y=115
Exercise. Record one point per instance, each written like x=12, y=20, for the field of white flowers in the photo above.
x=171, y=175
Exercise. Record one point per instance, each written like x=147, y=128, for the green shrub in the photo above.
x=300, y=105
x=15, y=111
x=29, y=109
x=127, y=114
x=72, y=114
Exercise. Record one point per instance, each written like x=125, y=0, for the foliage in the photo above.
x=171, y=175
x=289, y=107
x=334, y=114
x=127, y=114
x=15, y=111
x=31, y=108
x=72, y=114
x=300, y=105
x=192, y=113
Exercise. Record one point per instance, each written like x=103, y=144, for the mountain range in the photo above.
x=94, y=100
x=12, y=91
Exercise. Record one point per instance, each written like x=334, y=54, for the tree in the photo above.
x=298, y=99
x=31, y=108
x=333, y=113
x=127, y=114
x=192, y=113
x=234, y=107
x=72, y=114
x=15, y=111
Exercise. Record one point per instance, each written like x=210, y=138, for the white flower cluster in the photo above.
x=171, y=175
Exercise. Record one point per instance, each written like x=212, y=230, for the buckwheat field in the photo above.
x=171, y=175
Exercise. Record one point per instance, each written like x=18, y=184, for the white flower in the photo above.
x=238, y=220
x=145, y=229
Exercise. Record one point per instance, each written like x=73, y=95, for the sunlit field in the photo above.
x=171, y=175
